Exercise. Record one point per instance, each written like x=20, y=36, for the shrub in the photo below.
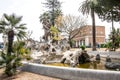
x=13, y=61
x=71, y=42
x=82, y=47
x=103, y=45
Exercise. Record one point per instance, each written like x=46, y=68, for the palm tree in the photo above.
x=45, y=20
x=109, y=11
x=89, y=7
x=10, y=26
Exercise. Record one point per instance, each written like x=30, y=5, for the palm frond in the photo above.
x=3, y=23
x=12, y=19
x=21, y=35
x=21, y=26
x=15, y=20
x=12, y=22
x=85, y=7
x=2, y=29
x=6, y=17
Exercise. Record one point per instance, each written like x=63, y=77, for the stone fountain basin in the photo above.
x=71, y=73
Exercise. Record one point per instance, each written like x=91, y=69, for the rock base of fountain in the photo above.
x=83, y=58
x=112, y=65
x=75, y=57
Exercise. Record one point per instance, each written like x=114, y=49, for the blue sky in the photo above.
x=31, y=10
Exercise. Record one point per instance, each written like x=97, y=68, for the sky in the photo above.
x=32, y=9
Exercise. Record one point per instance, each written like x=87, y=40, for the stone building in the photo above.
x=85, y=36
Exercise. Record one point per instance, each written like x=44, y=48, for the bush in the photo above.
x=82, y=47
x=103, y=45
x=13, y=61
x=71, y=42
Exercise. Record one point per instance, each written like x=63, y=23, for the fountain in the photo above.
x=48, y=53
x=70, y=63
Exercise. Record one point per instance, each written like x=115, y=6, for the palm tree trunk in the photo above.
x=93, y=29
x=113, y=39
x=8, y=69
x=10, y=41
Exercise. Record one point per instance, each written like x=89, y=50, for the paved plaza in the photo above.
x=104, y=53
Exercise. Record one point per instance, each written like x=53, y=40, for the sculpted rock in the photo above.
x=84, y=57
x=98, y=57
x=71, y=56
x=75, y=57
x=66, y=57
x=108, y=59
x=111, y=65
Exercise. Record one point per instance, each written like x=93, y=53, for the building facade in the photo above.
x=85, y=36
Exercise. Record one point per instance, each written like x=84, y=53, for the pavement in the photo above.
x=103, y=53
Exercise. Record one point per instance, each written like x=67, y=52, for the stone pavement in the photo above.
x=26, y=76
x=103, y=53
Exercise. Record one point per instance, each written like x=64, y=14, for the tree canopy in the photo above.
x=53, y=10
x=109, y=10
x=71, y=25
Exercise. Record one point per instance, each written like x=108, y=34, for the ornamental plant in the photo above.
x=13, y=61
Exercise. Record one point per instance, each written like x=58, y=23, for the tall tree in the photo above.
x=110, y=11
x=54, y=10
x=45, y=19
x=10, y=26
x=49, y=17
x=89, y=7
x=114, y=38
x=71, y=23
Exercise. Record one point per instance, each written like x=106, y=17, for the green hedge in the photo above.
x=103, y=45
